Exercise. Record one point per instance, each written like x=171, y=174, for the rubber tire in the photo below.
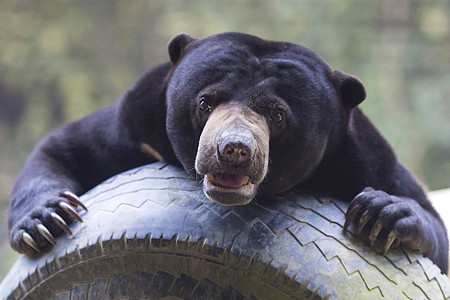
x=150, y=233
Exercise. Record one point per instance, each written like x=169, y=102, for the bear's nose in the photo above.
x=234, y=151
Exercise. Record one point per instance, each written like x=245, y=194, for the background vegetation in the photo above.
x=60, y=60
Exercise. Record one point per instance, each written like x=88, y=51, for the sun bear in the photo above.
x=247, y=116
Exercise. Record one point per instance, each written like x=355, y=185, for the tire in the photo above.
x=150, y=233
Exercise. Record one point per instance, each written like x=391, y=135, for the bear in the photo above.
x=247, y=117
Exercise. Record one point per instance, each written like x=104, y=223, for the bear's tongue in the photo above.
x=231, y=181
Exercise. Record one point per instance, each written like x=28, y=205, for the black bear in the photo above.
x=247, y=116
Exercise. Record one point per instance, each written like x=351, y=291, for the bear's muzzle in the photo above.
x=233, y=154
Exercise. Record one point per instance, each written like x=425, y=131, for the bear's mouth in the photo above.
x=229, y=189
x=228, y=181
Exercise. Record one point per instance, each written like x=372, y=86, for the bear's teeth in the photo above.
x=245, y=181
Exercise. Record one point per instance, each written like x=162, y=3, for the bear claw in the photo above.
x=74, y=199
x=365, y=218
x=376, y=229
x=46, y=234
x=61, y=223
x=69, y=210
x=392, y=236
x=30, y=242
x=351, y=216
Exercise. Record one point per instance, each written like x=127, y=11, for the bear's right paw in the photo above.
x=37, y=229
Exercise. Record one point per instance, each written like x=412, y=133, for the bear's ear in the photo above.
x=351, y=90
x=177, y=45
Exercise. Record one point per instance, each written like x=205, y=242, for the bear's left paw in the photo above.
x=387, y=218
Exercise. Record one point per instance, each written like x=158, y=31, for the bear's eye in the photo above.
x=278, y=118
x=204, y=104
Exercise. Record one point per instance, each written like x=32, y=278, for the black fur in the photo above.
x=325, y=143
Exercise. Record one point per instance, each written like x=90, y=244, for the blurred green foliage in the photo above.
x=61, y=60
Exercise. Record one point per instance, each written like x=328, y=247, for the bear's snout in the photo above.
x=237, y=150
x=233, y=154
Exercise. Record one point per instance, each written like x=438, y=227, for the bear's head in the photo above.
x=250, y=115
